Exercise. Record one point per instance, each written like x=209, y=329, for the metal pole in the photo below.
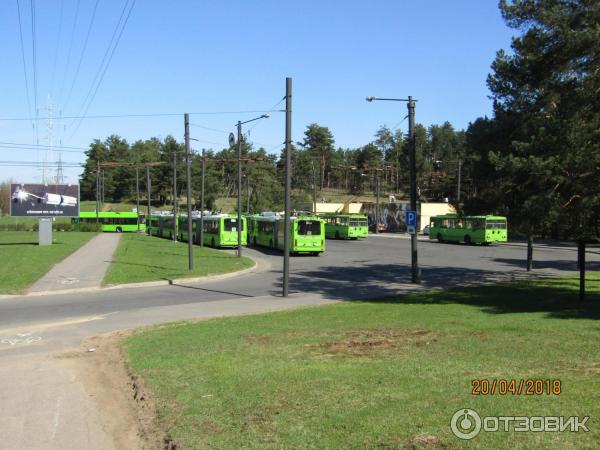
x=202, y=203
x=248, y=194
x=581, y=261
x=97, y=192
x=102, y=190
x=377, y=204
x=458, y=188
x=175, y=194
x=137, y=197
x=239, y=188
x=314, y=178
x=188, y=176
x=148, y=218
x=288, y=174
x=416, y=275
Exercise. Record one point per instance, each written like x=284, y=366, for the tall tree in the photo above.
x=319, y=142
x=548, y=88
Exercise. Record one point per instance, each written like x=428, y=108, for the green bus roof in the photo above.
x=456, y=216
x=109, y=214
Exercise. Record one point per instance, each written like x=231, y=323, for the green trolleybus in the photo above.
x=307, y=233
x=117, y=222
x=220, y=230
x=345, y=226
x=468, y=229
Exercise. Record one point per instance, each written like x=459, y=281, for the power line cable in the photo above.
x=60, y=21
x=121, y=116
x=62, y=85
x=103, y=71
x=34, y=52
x=24, y=62
x=42, y=145
x=85, y=42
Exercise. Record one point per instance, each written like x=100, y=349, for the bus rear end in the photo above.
x=358, y=227
x=228, y=236
x=308, y=236
x=496, y=229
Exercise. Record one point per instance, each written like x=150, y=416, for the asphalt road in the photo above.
x=376, y=267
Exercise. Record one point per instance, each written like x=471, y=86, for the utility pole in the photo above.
x=97, y=193
x=416, y=275
x=188, y=176
x=137, y=197
x=314, y=186
x=148, y=217
x=202, y=201
x=174, y=195
x=458, y=187
x=239, y=188
x=288, y=176
x=247, y=193
x=377, y=171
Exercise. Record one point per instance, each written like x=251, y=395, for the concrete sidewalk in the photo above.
x=83, y=269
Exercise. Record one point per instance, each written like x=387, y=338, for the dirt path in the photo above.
x=84, y=268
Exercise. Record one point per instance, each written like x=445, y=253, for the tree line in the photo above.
x=536, y=160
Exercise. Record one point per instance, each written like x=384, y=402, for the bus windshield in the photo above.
x=495, y=225
x=309, y=227
x=358, y=223
x=231, y=224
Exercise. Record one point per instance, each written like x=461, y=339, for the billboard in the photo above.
x=44, y=200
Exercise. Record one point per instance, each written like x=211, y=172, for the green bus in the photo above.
x=345, y=226
x=468, y=229
x=161, y=226
x=307, y=233
x=220, y=230
x=116, y=222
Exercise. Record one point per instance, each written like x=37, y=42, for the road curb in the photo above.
x=167, y=282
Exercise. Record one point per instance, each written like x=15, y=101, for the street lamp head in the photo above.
x=370, y=99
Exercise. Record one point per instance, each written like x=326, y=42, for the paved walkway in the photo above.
x=84, y=268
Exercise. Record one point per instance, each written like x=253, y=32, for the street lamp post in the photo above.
x=416, y=273
x=239, y=179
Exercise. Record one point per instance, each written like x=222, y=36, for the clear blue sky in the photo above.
x=206, y=56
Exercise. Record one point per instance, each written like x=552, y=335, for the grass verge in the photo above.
x=146, y=258
x=23, y=261
x=381, y=374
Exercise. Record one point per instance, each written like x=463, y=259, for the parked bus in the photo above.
x=220, y=230
x=161, y=226
x=345, y=226
x=468, y=229
x=307, y=233
x=117, y=222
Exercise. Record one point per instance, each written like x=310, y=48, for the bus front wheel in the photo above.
x=467, y=239
x=439, y=237
x=119, y=229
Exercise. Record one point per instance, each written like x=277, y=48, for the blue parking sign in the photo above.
x=411, y=219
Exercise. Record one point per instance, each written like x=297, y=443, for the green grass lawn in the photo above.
x=381, y=374
x=146, y=258
x=22, y=261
